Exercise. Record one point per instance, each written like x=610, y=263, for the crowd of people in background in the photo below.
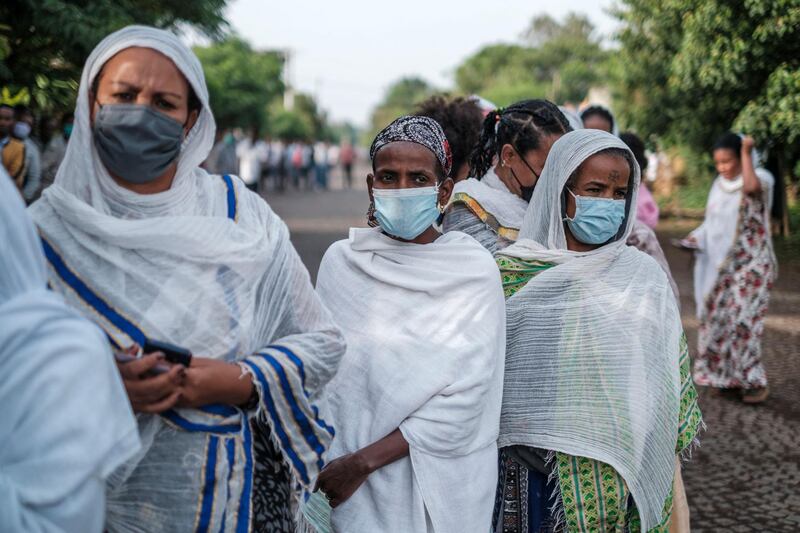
x=499, y=349
x=266, y=164
x=32, y=155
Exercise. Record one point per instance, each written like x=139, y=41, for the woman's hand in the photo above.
x=212, y=381
x=149, y=392
x=748, y=143
x=751, y=185
x=342, y=477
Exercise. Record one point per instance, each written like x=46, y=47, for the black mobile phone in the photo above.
x=174, y=354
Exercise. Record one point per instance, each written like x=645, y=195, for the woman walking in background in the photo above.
x=734, y=271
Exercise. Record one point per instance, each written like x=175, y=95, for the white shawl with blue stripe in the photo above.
x=206, y=265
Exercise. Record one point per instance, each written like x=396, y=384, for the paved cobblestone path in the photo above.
x=746, y=474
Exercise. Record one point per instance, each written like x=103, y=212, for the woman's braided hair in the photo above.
x=521, y=125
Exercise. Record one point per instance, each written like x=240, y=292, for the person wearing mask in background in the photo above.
x=152, y=247
x=735, y=267
x=66, y=423
x=11, y=149
x=504, y=167
x=416, y=399
x=252, y=153
x=598, y=400
x=642, y=235
x=23, y=127
x=461, y=120
x=597, y=117
x=54, y=152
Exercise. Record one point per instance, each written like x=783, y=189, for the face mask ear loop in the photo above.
x=564, y=216
x=526, y=164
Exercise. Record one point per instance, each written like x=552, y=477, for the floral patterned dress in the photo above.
x=732, y=320
x=578, y=494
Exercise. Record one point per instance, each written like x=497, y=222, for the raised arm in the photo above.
x=752, y=185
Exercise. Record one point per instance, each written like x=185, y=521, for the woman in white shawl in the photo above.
x=151, y=247
x=598, y=395
x=416, y=400
x=505, y=165
x=66, y=421
x=734, y=271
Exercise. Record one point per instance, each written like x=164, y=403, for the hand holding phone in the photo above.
x=176, y=355
x=152, y=384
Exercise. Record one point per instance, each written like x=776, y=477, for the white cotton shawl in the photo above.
x=174, y=264
x=495, y=198
x=717, y=233
x=66, y=420
x=425, y=328
x=593, y=343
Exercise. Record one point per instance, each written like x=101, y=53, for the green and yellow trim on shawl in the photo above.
x=487, y=218
x=592, y=495
x=515, y=273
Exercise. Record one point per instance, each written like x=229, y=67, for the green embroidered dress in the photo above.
x=590, y=496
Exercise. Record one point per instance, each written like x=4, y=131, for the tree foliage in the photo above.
x=401, y=98
x=44, y=43
x=694, y=68
x=556, y=60
x=242, y=82
x=304, y=122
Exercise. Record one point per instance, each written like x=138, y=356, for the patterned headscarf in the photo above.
x=420, y=130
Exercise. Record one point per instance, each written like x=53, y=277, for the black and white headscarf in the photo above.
x=420, y=130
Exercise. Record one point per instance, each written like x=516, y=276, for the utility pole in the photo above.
x=288, y=80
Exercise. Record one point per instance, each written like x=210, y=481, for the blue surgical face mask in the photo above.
x=406, y=213
x=22, y=130
x=596, y=220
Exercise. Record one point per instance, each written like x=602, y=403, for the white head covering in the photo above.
x=425, y=345
x=593, y=343
x=204, y=265
x=572, y=117
x=66, y=418
x=87, y=178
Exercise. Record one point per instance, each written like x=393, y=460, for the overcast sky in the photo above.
x=347, y=52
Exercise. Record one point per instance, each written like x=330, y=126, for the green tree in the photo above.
x=242, y=82
x=304, y=122
x=556, y=60
x=290, y=126
x=401, y=98
x=694, y=68
x=44, y=43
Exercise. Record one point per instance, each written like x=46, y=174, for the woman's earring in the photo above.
x=371, y=222
x=440, y=207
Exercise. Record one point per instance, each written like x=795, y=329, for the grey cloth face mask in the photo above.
x=136, y=142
